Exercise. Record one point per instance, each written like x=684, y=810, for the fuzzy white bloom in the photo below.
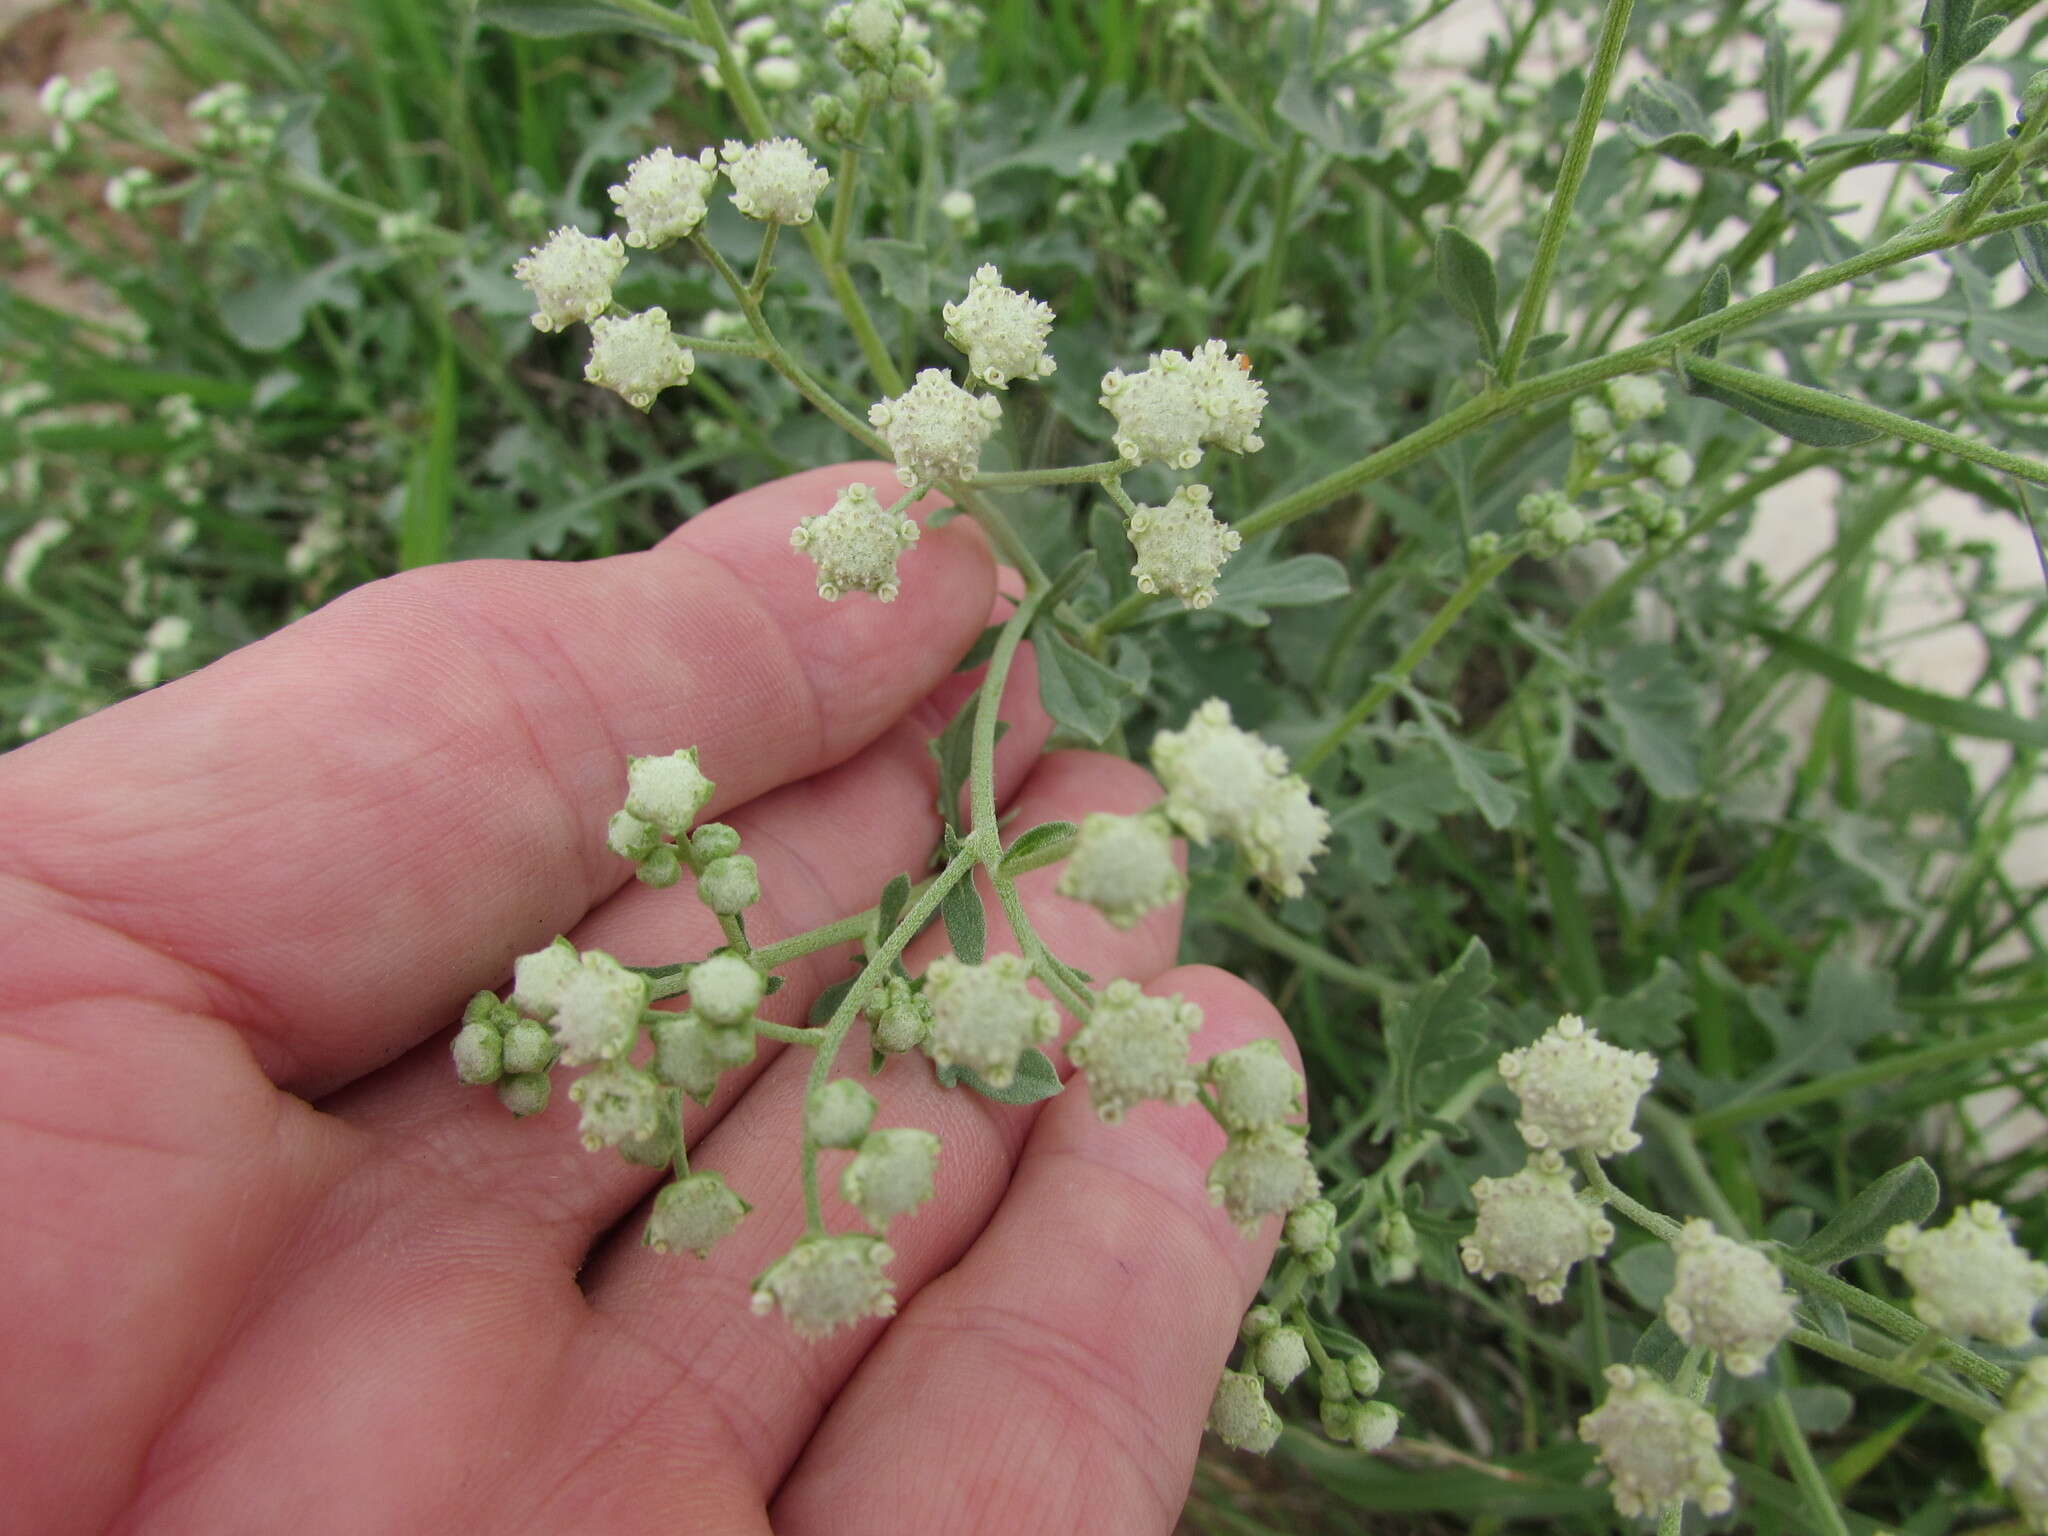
x=1281, y=1356
x=1673, y=467
x=597, y=1009
x=891, y=1175
x=125, y=186
x=1591, y=422
x=692, y=1054
x=1577, y=1090
x=825, y=1283
x=983, y=1016
x=637, y=356
x=620, y=1103
x=958, y=206
x=1179, y=403
x=1241, y=1416
x=538, y=978
x=1262, y=1172
x=668, y=791
x=1003, y=332
x=630, y=837
x=1122, y=866
x=1635, y=398
x=1970, y=1277
x=172, y=632
x=694, y=1213
x=1229, y=396
x=725, y=990
x=855, y=544
x=778, y=73
x=1657, y=1447
x=26, y=553
x=1535, y=1226
x=663, y=197
x=1225, y=782
x=838, y=1113
x=1134, y=1048
x=1254, y=1086
x=1727, y=1297
x=571, y=277
x=774, y=180
x=1181, y=546
x=2016, y=1445
x=935, y=429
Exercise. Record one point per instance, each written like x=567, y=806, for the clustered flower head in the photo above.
x=620, y=1103
x=1727, y=1297
x=593, y=1002
x=1553, y=522
x=1657, y=1447
x=1003, y=332
x=693, y=1214
x=1167, y=413
x=983, y=1017
x=667, y=792
x=1225, y=782
x=663, y=197
x=1970, y=1277
x=891, y=1175
x=1253, y=1086
x=1634, y=398
x=1310, y=1233
x=775, y=180
x=1181, y=546
x=935, y=429
x=855, y=544
x=1122, y=866
x=827, y=1283
x=571, y=277
x=1534, y=1225
x=883, y=49
x=1135, y=1047
x=1264, y=1169
x=637, y=357
x=1241, y=1416
x=496, y=1044
x=1577, y=1091
x=2016, y=1444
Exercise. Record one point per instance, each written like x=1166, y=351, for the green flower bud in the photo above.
x=484, y=1008
x=1259, y=1322
x=667, y=791
x=730, y=885
x=1311, y=1226
x=1281, y=1357
x=1364, y=1373
x=838, y=1113
x=691, y=1055
x=694, y=1213
x=526, y=1094
x=529, y=1048
x=725, y=990
x=1241, y=1416
x=630, y=837
x=714, y=840
x=891, y=1175
x=661, y=868
x=479, y=1053
x=900, y=1017
x=1375, y=1426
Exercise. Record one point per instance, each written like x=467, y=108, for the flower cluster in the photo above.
x=775, y=181
x=637, y=357
x=664, y=196
x=828, y=1282
x=1727, y=1297
x=855, y=544
x=2016, y=1444
x=1577, y=1091
x=1225, y=782
x=1123, y=866
x=935, y=429
x=1278, y=1354
x=983, y=1017
x=1534, y=1225
x=1003, y=332
x=1134, y=1048
x=1179, y=404
x=1181, y=546
x=1657, y=1447
x=1970, y=1277
x=1264, y=1169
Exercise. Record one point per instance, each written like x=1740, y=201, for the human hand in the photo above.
x=269, y=1267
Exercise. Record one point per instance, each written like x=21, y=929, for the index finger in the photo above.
x=330, y=837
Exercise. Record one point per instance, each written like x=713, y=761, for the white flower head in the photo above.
x=538, y=978
x=1673, y=467
x=1635, y=398
x=1262, y=1172
x=663, y=197
x=984, y=1017
x=855, y=544
x=1159, y=417
x=1229, y=396
x=1135, y=1047
x=694, y=1213
x=571, y=277
x=1591, y=422
x=667, y=791
x=724, y=990
x=1181, y=546
x=778, y=72
x=774, y=180
x=620, y=1103
x=826, y=1283
x=1286, y=836
x=1241, y=1416
x=692, y=1055
x=1254, y=1086
x=891, y=1175
x=1281, y=1357
x=838, y=1113
x=598, y=1008
x=1003, y=332
x=1657, y=1447
x=1535, y=1226
x=1577, y=1091
x=637, y=357
x=2016, y=1444
x=1122, y=866
x=935, y=429
x=1727, y=1297
x=1225, y=782
x=1970, y=1277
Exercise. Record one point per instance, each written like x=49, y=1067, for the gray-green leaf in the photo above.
x=1036, y=1079
x=1465, y=274
x=1078, y=691
x=1909, y=1193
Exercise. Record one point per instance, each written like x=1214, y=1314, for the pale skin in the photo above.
x=269, y=1267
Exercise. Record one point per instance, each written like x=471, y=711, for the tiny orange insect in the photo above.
x=1243, y=361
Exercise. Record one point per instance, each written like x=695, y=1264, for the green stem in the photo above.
x=1578, y=152
x=789, y=1034
x=1860, y=413
x=1252, y=920
x=1836, y=1084
x=1952, y=1398
x=1477, y=580
x=844, y=198
x=1806, y=1472
x=764, y=263
x=1075, y=474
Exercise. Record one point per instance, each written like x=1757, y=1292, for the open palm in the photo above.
x=268, y=1267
